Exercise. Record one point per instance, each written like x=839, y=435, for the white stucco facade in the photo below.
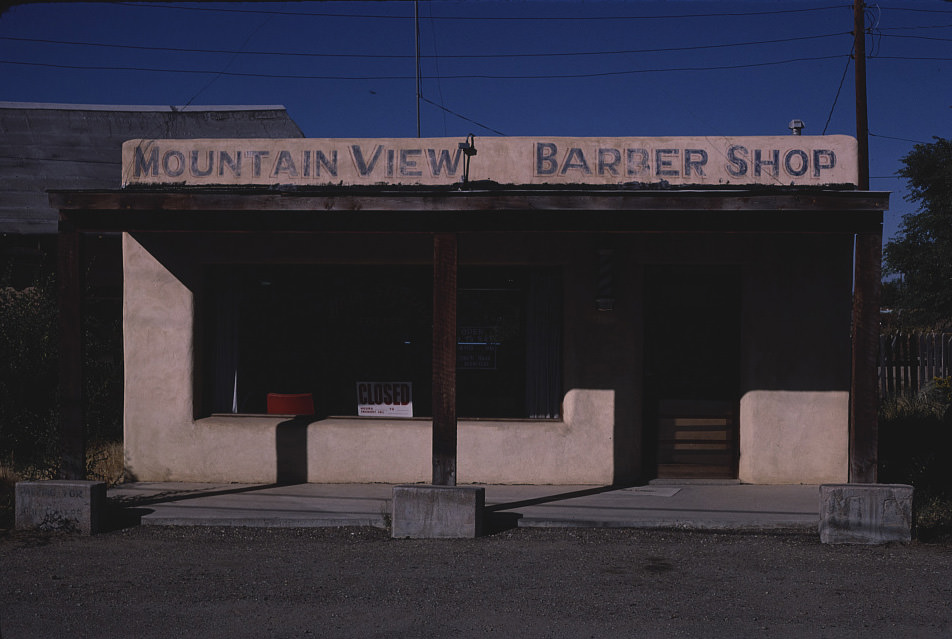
x=607, y=237
x=785, y=436
x=165, y=442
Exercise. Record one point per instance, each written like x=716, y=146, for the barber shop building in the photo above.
x=536, y=310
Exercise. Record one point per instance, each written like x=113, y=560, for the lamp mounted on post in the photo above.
x=469, y=150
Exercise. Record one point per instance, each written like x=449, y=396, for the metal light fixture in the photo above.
x=796, y=126
x=469, y=150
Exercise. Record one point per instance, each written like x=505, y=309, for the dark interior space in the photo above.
x=692, y=346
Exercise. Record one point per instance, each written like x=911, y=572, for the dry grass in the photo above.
x=104, y=462
x=933, y=518
x=8, y=480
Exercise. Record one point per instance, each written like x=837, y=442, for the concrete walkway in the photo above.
x=689, y=505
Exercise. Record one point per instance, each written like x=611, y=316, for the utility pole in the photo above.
x=862, y=123
x=419, y=82
x=867, y=277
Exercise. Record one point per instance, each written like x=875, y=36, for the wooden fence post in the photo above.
x=909, y=361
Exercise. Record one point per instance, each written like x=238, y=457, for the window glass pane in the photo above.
x=509, y=355
x=491, y=350
x=321, y=329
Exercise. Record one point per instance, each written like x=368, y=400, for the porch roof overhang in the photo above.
x=389, y=209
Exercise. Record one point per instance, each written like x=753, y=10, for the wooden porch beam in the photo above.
x=445, y=262
x=864, y=391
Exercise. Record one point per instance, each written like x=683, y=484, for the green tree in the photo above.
x=921, y=253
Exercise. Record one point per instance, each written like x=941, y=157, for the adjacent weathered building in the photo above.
x=79, y=146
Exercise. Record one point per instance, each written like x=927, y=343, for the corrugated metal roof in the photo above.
x=68, y=146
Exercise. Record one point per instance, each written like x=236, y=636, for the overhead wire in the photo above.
x=889, y=137
x=914, y=27
x=473, y=56
x=230, y=61
x=725, y=14
x=914, y=9
x=872, y=15
x=913, y=58
x=836, y=98
x=471, y=76
x=436, y=67
x=463, y=117
x=915, y=37
x=235, y=53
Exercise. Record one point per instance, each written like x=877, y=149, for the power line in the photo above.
x=889, y=137
x=462, y=117
x=436, y=68
x=891, y=8
x=489, y=18
x=915, y=37
x=838, y=89
x=230, y=61
x=408, y=56
x=476, y=76
x=914, y=58
x=911, y=28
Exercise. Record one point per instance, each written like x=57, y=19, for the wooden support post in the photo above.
x=69, y=279
x=864, y=391
x=444, y=359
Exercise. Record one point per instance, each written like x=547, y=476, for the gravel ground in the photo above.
x=253, y=582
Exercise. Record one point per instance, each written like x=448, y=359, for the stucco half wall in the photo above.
x=574, y=450
x=794, y=437
x=164, y=442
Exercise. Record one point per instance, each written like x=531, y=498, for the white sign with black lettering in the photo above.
x=384, y=399
x=695, y=161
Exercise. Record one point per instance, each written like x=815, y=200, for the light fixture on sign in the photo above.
x=469, y=150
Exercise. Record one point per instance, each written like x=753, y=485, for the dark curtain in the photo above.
x=225, y=376
x=544, y=344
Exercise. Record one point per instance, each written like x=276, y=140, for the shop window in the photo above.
x=509, y=343
x=322, y=329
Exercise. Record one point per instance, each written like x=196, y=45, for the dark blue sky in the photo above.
x=638, y=68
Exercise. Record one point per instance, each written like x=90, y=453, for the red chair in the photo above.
x=290, y=404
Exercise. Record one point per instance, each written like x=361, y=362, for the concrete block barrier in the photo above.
x=429, y=512
x=60, y=505
x=865, y=513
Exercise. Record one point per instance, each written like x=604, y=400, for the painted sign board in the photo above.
x=384, y=399
x=695, y=161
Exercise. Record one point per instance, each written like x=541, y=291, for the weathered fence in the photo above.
x=907, y=362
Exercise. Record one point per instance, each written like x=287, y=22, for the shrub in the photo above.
x=915, y=445
x=29, y=416
x=28, y=370
x=915, y=440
